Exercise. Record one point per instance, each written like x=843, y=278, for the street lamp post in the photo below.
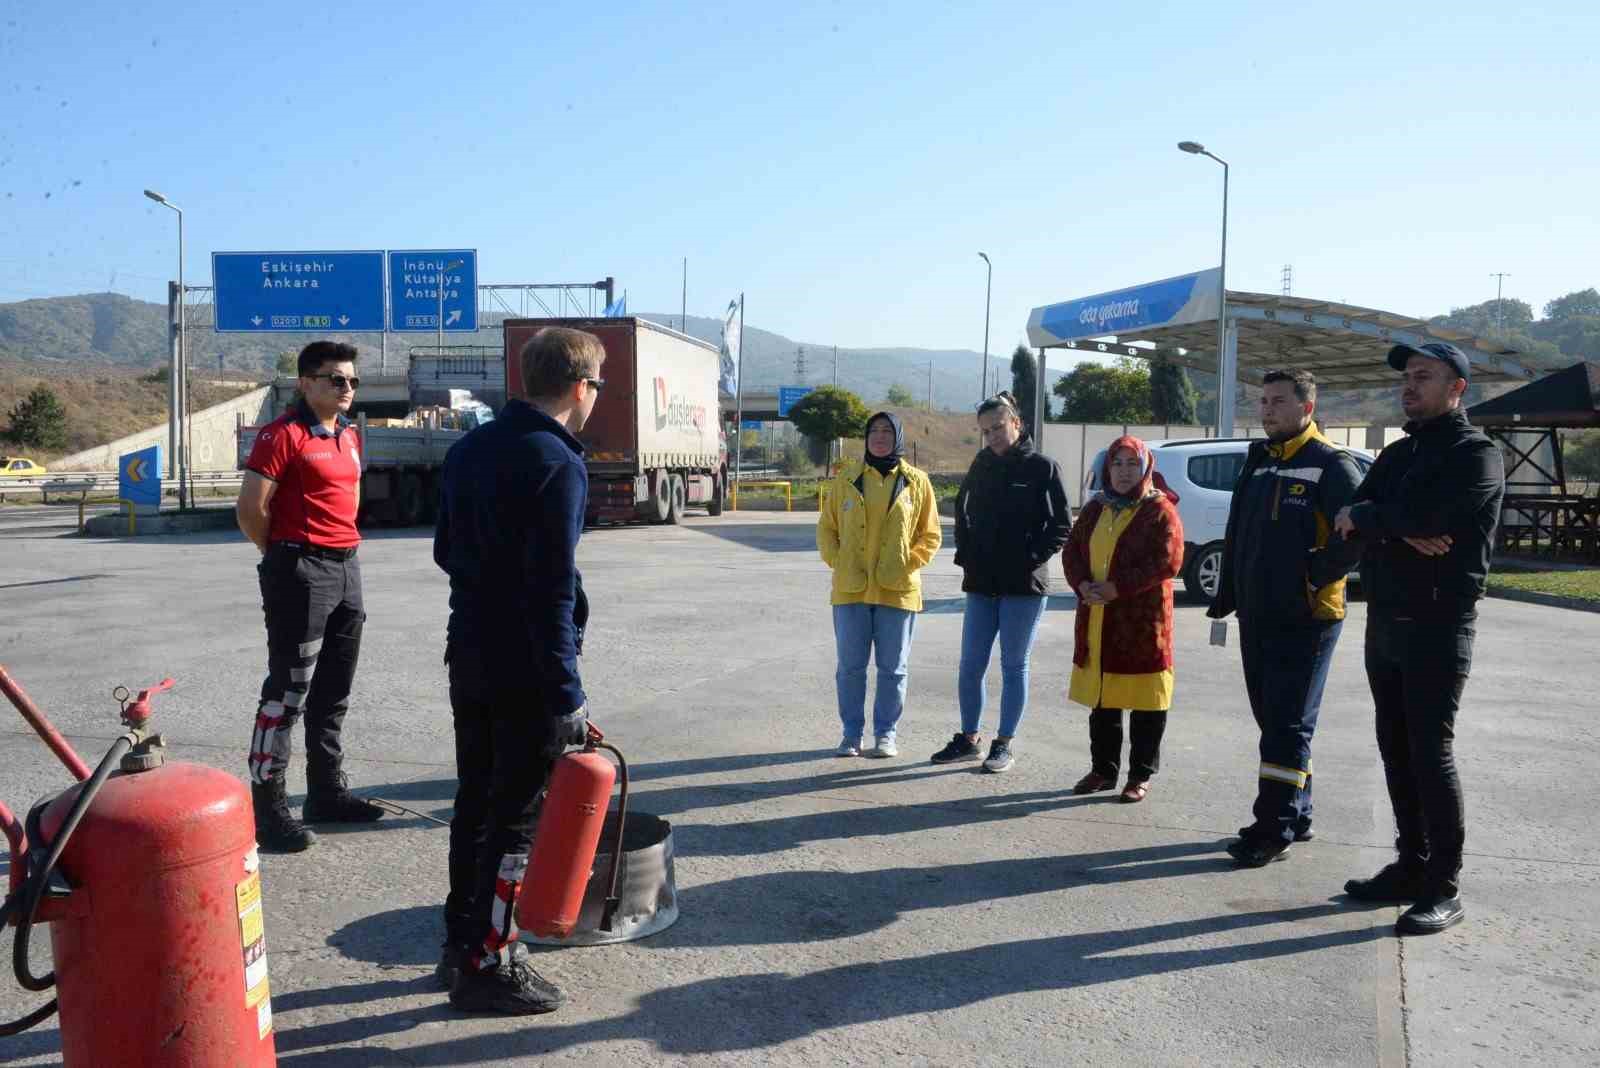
x=1227, y=359
x=452, y=265
x=988, y=288
x=177, y=402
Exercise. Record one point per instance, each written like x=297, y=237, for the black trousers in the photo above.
x=1144, y=749
x=314, y=617
x=1417, y=670
x=501, y=771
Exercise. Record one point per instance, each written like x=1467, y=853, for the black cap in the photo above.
x=1442, y=351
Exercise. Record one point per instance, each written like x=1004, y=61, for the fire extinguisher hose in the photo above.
x=612, y=900
x=25, y=902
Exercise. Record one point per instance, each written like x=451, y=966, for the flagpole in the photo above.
x=738, y=404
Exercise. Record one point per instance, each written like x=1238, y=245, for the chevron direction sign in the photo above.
x=139, y=479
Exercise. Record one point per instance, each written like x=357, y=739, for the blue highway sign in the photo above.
x=267, y=291
x=789, y=396
x=414, y=282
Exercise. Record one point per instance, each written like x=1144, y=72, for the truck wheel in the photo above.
x=1200, y=580
x=660, y=506
x=408, y=502
x=714, y=505
x=675, y=504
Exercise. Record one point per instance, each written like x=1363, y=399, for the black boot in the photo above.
x=277, y=831
x=1398, y=881
x=329, y=800
x=1431, y=914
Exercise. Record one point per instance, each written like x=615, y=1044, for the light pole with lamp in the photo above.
x=1227, y=359
x=177, y=403
x=988, y=288
x=452, y=265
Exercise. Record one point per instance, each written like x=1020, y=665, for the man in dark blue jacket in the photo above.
x=1425, y=517
x=1284, y=573
x=510, y=515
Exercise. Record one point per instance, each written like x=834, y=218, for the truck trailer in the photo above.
x=654, y=443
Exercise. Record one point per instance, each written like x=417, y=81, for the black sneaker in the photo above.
x=451, y=960
x=1430, y=915
x=513, y=989
x=453, y=957
x=960, y=748
x=1250, y=852
x=332, y=802
x=277, y=831
x=1396, y=882
x=1301, y=834
x=1000, y=758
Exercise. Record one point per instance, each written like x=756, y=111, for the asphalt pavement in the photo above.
x=847, y=911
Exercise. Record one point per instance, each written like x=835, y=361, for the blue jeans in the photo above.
x=1016, y=621
x=858, y=630
x=1285, y=670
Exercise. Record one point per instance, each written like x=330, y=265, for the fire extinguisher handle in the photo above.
x=138, y=710
x=595, y=734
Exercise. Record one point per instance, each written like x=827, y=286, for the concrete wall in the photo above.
x=211, y=437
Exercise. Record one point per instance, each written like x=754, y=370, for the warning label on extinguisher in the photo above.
x=253, y=940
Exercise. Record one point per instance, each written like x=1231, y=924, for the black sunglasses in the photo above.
x=597, y=383
x=339, y=381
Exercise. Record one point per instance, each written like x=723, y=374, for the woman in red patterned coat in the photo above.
x=1124, y=552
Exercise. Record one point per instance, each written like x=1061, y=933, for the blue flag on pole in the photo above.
x=617, y=308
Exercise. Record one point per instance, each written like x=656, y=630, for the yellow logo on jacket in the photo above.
x=1298, y=489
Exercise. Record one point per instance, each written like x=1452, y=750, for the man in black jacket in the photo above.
x=1425, y=517
x=510, y=514
x=1284, y=573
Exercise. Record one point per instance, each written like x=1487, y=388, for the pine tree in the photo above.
x=1025, y=384
x=39, y=421
x=1172, y=395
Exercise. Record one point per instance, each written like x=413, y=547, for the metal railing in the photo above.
x=98, y=483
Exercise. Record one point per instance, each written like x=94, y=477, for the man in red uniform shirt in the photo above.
x=302, y=486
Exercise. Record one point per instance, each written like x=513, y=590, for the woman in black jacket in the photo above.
x=1011, y=519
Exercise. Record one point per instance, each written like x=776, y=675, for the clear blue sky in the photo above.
x=843, y=164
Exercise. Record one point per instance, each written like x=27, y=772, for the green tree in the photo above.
x=1025, y=383
x=39, y=421
x=1582, y=303
x=1491, y=317
x=900, y=397
x=289, y=364
x=1172, y=395
x=829, y=412
x=1097, y=393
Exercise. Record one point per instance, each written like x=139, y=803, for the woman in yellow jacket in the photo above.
x=1124, y=552
x=879, y=527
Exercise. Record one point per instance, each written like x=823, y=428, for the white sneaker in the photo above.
x=884, y=748
x=848, y=747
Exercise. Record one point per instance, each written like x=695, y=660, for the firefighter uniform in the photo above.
x=1284, y=574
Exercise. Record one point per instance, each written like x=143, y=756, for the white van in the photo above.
x=1201, y=471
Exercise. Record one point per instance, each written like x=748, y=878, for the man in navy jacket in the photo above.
x=510, y=515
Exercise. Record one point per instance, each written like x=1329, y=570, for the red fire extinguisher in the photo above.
x=564, y=844
x=148, y=873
